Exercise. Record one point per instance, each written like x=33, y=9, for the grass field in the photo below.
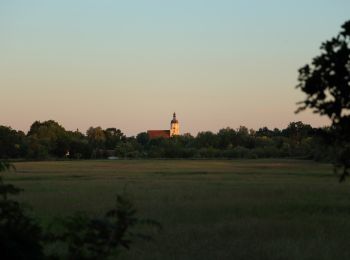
x=246, y=209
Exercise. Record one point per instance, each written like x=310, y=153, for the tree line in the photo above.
x=50, y=140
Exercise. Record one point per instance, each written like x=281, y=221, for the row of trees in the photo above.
x=49, y=139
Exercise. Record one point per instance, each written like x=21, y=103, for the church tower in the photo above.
x=174, y=126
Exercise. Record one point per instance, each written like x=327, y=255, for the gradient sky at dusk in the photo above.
x=131, y=64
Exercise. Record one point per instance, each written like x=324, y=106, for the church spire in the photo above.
x=174, y=126
x=174, y=118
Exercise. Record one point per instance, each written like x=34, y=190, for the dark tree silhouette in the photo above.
x=19, y=234
x=326, y=83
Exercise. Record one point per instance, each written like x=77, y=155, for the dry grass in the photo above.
x=247, y=209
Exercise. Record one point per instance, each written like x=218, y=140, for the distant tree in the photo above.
x=242, y=130
x=113, y=137
x=37, y=148
x=12, y=143
x=296, y=132
x=96, y=136
x=326, y=83
x=46, y=129
x=265, y=131
x=206, y=139
x=126, y=149
x=47, y=138
x=186, y=140
x=276, y=132
x=244, y=139
x=142, y=138
x=227, y=137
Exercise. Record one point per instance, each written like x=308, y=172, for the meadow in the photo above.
x=209, y=209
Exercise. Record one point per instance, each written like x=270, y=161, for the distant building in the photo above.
x=152, y=134
x=174, y=126
x=174, y=130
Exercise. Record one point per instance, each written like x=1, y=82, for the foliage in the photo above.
x=326, y=83
x=19, y=234
x=85, y=238
x=49, y=140
x=12, y=143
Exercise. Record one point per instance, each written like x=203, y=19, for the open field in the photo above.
x=246, y=209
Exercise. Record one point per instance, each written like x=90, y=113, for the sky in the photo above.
x=131, y=64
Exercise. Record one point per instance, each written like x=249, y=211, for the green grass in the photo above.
x=246, y=209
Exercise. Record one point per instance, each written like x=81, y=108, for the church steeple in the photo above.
x=174, y=118
x=174, y=126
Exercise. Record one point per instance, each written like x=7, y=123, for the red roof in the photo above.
x=152, y=134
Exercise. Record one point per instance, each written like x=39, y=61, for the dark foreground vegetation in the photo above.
x=48, y=139
x=326, y=84
x=78, y=236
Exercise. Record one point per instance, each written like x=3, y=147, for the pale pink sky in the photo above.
x=130, y=66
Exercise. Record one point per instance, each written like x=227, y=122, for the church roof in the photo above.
x=152, y=134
